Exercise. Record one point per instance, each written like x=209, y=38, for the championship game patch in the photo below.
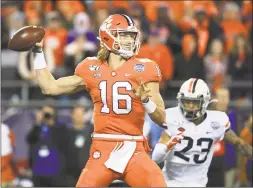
x=96, y=154
x=215, y=125
x=94, y=67
x=139, y=68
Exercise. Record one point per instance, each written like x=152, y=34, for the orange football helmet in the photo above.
x=109, y=34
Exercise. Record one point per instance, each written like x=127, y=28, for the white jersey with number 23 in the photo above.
x=188, y=162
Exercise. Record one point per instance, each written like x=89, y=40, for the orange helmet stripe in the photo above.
x=191, y=84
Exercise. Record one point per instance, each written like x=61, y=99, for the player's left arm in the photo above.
x=148, y=92
x=244, y=148
x=165, y=145
x=159, y=115
x=152, y=101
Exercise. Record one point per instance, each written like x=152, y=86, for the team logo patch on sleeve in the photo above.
x=139, y=68
x=215, y=125
x=94, y=67
x=158, y=71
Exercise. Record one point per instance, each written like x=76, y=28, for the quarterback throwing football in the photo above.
x=122, y=88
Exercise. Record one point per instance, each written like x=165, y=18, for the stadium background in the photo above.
x=205, y=39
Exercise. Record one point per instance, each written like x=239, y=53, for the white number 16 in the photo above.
x=116, y=97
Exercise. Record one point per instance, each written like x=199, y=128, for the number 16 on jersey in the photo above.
x=116, y=97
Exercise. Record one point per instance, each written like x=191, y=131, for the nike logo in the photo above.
x=128, y=74
x=207, y=132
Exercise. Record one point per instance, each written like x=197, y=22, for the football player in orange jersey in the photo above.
x=122, y=88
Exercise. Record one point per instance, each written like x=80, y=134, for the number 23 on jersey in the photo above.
x=197, y=158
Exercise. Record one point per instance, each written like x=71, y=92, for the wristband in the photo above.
x=39, y=61
x=149, y=106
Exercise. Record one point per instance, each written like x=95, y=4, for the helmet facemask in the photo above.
x=192, y=108
x=116, y=45
x=126, y=47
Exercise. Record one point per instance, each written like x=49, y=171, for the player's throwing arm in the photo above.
x=47, y=82
x=28, y=38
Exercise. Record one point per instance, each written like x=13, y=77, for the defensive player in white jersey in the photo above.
x=187, y=145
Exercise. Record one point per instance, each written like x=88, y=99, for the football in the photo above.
x=26, y=38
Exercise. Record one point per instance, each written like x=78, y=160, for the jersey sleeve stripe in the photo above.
x=227, y=126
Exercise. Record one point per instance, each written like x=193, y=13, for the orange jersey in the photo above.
x=116, y=109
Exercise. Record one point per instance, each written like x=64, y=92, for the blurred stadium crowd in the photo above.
x=210, y=40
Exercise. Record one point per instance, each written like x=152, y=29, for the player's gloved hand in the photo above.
x=38, y=47
x=175, y=140
x=142, y=92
